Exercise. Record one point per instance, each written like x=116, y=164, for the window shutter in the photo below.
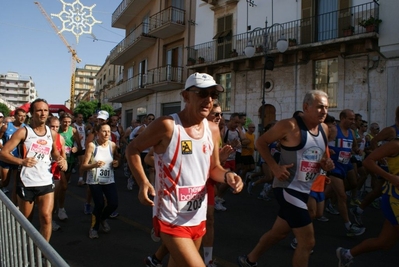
x=344, y=16
x=307, y=23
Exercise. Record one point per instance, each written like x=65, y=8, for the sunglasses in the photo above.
x=206, y=93
x=376, y=129
x=217, y=114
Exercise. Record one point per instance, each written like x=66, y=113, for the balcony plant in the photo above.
x=201, y=60
x=190, y=61
x=370, y=24
x=291, y=41
x=233, y=53
x=348, y=31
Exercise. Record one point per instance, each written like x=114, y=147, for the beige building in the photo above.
x=85, y=83
x=330, y=47
x=17, y=89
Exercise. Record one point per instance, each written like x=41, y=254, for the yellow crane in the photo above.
x=74, y=59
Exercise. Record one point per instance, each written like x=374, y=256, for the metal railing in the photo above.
x=170, y=14
x=20, y=243
x=319, y=28
x=154, y=76
x=119, y=10
x=140, y=30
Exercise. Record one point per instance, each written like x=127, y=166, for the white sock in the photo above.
x=207, y=254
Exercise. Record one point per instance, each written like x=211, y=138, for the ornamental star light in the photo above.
x=76, y=18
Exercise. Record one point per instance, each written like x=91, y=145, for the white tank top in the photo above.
x=40, y=148
x=181, y=174
x=105, y=174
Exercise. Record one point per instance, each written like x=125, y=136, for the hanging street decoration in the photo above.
x=76, y=18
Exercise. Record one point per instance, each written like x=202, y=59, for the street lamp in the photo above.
x=282, y=45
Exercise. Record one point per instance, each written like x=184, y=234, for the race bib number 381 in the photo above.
x=190, y=198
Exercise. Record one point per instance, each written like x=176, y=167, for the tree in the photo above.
x=4, y=109
x=88, y=108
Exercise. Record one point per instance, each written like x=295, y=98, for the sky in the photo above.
x=31, y=47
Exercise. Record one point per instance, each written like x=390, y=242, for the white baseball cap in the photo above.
x=102, y=114
x=202, y=80
x=1, y=115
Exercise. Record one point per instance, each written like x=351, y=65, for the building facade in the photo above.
x=17, y=89
x=85, y=83
x=331, y=47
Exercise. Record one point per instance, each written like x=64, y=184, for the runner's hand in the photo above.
x=146, y=191
x=282, y=172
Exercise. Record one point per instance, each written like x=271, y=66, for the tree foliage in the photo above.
x=88, y=108
x=4, y=109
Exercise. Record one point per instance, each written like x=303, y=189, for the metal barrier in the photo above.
x=20, y=243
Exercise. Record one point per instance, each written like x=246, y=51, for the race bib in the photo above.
x=39, y=152
x=68, y=150
x=190, y=198
x=103, y=174
x=308, y=171
x=344, y=157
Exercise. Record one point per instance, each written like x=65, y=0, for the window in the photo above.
x=223, y=37
x=225, y=97
x=326, y=79
x=170, y=108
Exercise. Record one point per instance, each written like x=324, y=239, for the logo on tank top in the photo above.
x=186, y=147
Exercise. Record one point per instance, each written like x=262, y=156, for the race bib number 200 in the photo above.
x=190, y=198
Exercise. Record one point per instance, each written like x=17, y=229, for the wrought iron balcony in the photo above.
x=135, y=43
x=127, y=10
x=336, y=26
x=155, y=80
x=167, y=22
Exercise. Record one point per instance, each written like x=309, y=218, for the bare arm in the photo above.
x=5, y=154
x=76, y=138
x=86, y=166
x=3, y=130
x=386, y=150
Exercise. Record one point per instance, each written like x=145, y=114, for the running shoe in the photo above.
x=87, y=209
x=62, y=214
x=355, y=230
x=219, y=199
x=355, y=202
x=330, y=209
x=93, y=234
x=55, y=226
x=130, y=183
x=81, y=181
x=219, y=206
x=105, y=226
x=211, y=263
x=249, y=187
x=151, y=262
x=114, y=214
x=294, y=244
x=356, y=215
x=242, y=262
x=342, y=260
x=323, y=219
x=154, y=237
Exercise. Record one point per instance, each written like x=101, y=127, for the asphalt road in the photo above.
x=236, y=232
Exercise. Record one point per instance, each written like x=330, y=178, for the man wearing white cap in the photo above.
x=186, y=154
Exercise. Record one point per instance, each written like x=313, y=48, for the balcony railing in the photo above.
x=127, y=10
x=136, y=42
x=158, y=79
x=319, y=28
x=167, y=22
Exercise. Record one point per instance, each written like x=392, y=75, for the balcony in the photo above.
x=126, y=11
x=165, y=78
x=330, y=29
x=167, y=23
x=160, y=79
x=135, y=43
x=130, y=90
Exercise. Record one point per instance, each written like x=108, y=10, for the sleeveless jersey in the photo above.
x=68, y=137
x=181, y=174
x=230, y=136
x=117, y=136
x=104, y=174
x=40, y=148
x=82, y=134
x=342, y=146
x=11, y=129
x=393, y=167
x=55, y=169
x=306, y=159
x=250, y=148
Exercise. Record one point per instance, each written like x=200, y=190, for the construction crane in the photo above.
x=75, y=59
